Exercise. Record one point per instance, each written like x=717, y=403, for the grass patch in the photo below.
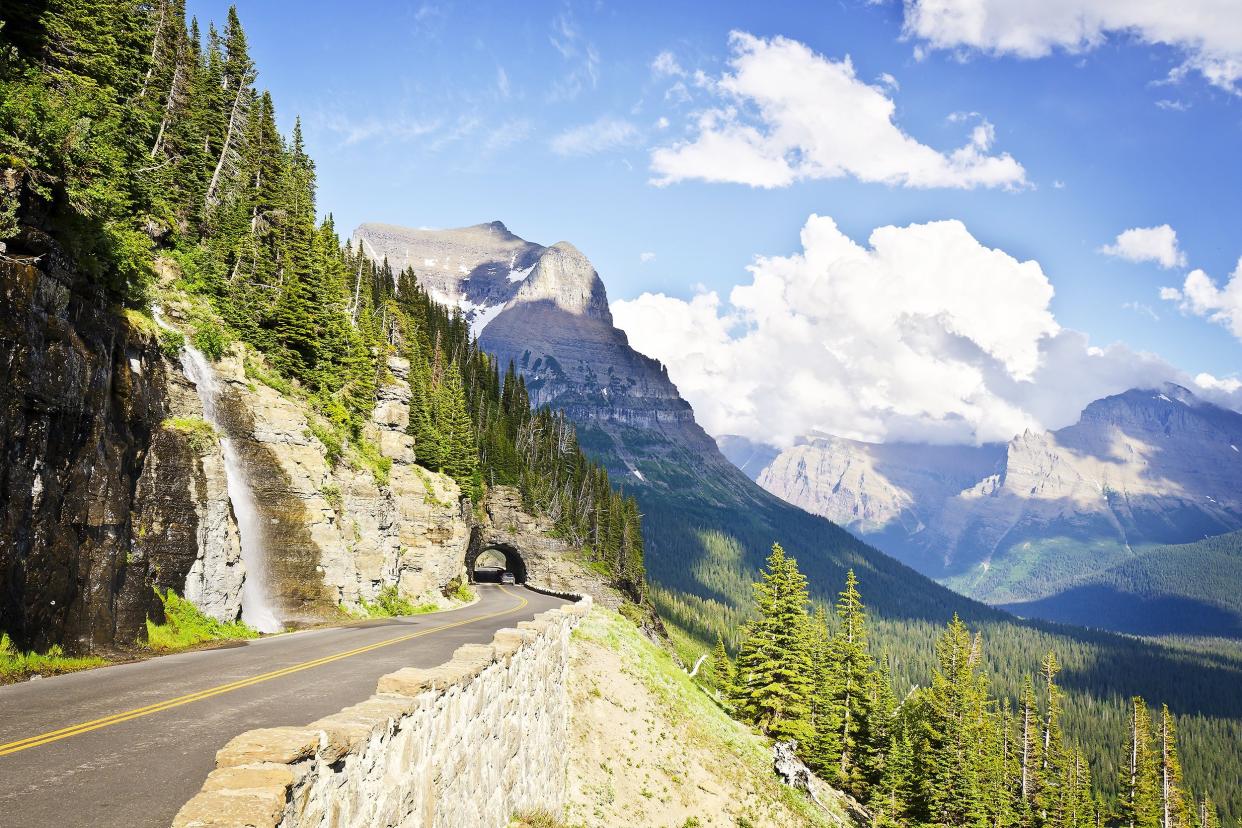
x=141, y=320
x=16, y=665
x=388, y=604
x=707, y=729
x=184, y=626
x=199, y=433
x=429, y=492
x=538, y=818
x=271, y=379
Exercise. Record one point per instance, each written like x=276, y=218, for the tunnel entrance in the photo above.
x=490, y=562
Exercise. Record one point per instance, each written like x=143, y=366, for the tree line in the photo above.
x=949, y=752
x=128, y=136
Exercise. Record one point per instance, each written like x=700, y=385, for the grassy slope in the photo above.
x=657, y=750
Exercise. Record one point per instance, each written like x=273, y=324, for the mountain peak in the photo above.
x=566, y=278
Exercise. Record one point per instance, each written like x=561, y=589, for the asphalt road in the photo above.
x=128, y=745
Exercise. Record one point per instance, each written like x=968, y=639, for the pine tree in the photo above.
x=1050, y=798
x=823, y=750
x=1174, y=808
x=722, y=670
x=951, y=788
x=1139, y=800
x=772, y=688
x=853, y=666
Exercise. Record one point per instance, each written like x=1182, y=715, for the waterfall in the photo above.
x=257, y=609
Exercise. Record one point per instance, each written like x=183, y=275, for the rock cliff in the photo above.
x=115, y=486
x=82, y=395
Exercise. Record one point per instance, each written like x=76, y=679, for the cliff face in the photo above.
x=81, y=397
x=113, y=485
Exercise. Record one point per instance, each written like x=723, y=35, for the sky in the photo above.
x=944, y=220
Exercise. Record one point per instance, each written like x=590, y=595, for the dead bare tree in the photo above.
x=229, y=152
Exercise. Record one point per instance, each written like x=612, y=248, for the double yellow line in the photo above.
x=139, y=712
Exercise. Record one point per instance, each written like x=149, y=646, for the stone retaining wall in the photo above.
x=461, y=745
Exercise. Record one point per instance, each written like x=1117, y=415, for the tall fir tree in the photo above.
x=772, y=687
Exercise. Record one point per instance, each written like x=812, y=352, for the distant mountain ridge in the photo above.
x=1023, y=521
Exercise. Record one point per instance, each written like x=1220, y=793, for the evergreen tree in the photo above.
x=1139, y=800
x=1174, y=807
x=852, y=665
x=772, y=688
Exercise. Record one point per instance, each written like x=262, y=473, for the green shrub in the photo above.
x=459, y=591
x=332, y=441
x=332, y=493
x=185, y=625
x=16, y=665
x=269, y=378
x=389, y=604
x=171, y=342
x=209, y=338
x=369, y=457
x=201, y=434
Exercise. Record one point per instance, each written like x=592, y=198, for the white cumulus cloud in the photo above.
x=785, y=113
x=1148, y=244
x=601, y=135
x=1201, y=296
x=1207, y=32
x=923, y=333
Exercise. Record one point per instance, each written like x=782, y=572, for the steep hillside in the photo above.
x=658, y=750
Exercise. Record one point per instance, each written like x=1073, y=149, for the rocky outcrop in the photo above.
x=112, y=485
x=336, y=533
x=81, y=396
x=183, y=527
x=462, y=745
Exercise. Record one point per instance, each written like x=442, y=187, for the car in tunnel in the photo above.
x=507, y=577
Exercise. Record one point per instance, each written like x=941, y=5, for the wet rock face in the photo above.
x=81, y=392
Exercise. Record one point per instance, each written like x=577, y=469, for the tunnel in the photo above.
x=486, y=564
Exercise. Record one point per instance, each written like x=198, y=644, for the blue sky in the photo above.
x=445, y=114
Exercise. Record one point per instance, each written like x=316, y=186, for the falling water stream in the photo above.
x=257, y=609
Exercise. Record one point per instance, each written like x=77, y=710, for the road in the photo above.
x=128, y=745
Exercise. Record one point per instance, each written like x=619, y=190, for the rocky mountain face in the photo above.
x=81, y=398
x=1025, y=520
x=550, y=316
x=477, y=268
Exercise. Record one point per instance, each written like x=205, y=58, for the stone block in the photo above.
x=260, y=775
x=249, y=808
x=283, y=745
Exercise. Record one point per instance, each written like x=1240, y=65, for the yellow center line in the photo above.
x=157, y=707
